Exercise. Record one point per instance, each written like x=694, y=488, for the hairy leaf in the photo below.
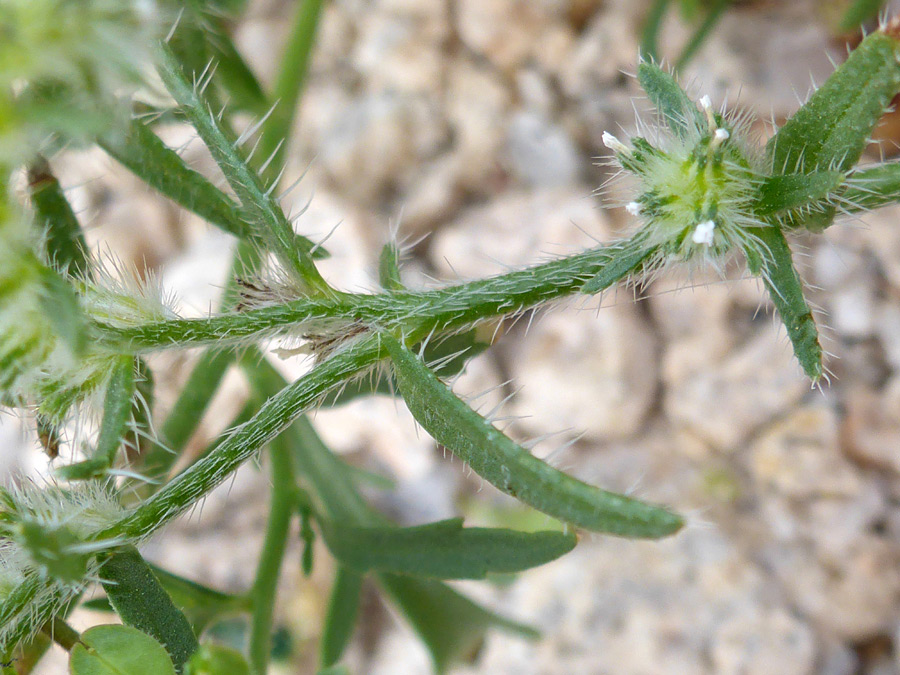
x=143, y=603
x=511, y=468
x=831, y=130
x=776, y=268
x=680, y=113
x=786, y=192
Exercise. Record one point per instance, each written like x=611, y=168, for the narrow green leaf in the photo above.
x=389, y=268
x=713, y=15
x=118, y=650
x=143, y=603
x=512, y=469
x=200, y=604
x=118, y=406
x=453, y=632
x=859, y=12
x=458, y=626
x=831, y=130
x=443, y=550
x=264, y=213
x=340, y=619
x=66, y=247
x=60, y=304
x=652, y=26
x=143, y=153
x=449, y=353
x=775, y=266
x=291, y=79
x=674, y=105
x=872, y=187
x=786, y=192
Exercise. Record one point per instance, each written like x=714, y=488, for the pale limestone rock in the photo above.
x=505, y=32
x=541, y=153
x=585, y=372
x=872, y=427
x=519, y=228
x=476, y=105
x=799, y=457
x=400, y=52
x=723, y=398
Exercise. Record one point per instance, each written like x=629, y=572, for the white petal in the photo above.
x=703, y=233
x=613, y=143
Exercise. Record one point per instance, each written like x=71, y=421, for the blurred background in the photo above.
x=472, y=129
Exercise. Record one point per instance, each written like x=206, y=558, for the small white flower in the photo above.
x=703, y=233
x=633, y=208
x=613, y=143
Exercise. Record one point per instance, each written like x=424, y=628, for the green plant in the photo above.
x=72, y=338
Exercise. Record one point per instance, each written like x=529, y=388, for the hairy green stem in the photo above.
x=244, y=442
x=281, y=508
x=414, y=313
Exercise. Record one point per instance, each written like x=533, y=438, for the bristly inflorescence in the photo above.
x=696, y=186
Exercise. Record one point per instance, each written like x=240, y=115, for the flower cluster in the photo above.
x=695, y=189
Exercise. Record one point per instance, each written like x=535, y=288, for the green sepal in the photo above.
x=443, y=550
x=512, y=469
x=66, y=247
x=53, y=550
x=389, y=268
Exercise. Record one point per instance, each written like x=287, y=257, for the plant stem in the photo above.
x=290, y=83
x=245, y=441
x=62, y=633
x=414, y=313
x=281, y=509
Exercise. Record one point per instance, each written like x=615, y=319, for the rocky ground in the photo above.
x=478, y=123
